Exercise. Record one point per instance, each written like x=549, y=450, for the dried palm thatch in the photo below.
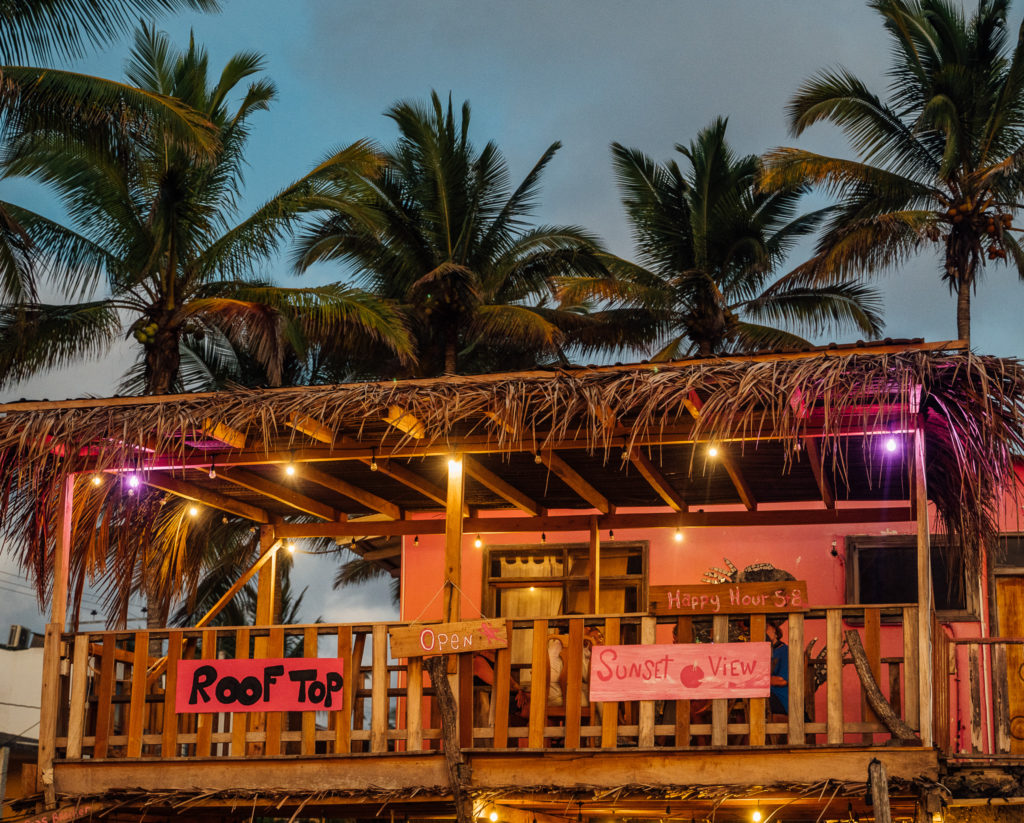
x=971, y=412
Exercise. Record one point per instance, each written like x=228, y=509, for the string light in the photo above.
x=97, y=479
x=756, y=816
x=679, y=535
x=213, y=471
x=493, y=816
x=611, y=534
x=416, y=540
x=891, y=445
x=193, y=511
x=373, y=461
x=133, y=481
x=538, y=459
x=543, y=537
x=478, y=542
x=712, y=451
x=289, y=469
x=291, y=548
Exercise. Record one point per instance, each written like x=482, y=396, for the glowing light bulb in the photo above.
x=493, y=816
x=97, y=479
x=679, y=535
x=373, y=465
x=289, y=469
x=756, y=816
x=712, y=451
x=454, y=465
x=532, y=589
x=416, y=540
x=478, y=542
x=193, y=511
x=291, y=548
x=213, y=473
x=133, y=481
x=890, y=444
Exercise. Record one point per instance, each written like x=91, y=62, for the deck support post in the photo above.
x=267, y=585
x=878, y=784
x=51, y=689
x=595, y=567
x=453, y=540
x=925, y=597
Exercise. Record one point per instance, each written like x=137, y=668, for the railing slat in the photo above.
x=275, y=649
x=1001, y=699
x=169, y=739
x=797, y=735
x=136, y=714
x=240, y=721
x=502, y=690
x=538, y=684
x=755, y=706
x=573, y=697
x=610, y=711
x=977, y=739
x=720, y=707
x=105, y=692
x=834, y=675
x=414, y=704
x=873, y=651
x=379, y=700
x=645, y=733
x=79, y=687
x=464, y=663
x=204, y=725
x=343, y=718
x=911, y=670
x=309, y=650
x=684, y=634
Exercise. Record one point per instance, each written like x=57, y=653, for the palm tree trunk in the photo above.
x=451, y=351
x=963, y=312
x=162, y=363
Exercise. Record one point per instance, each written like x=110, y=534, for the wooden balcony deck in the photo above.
x=116, y=725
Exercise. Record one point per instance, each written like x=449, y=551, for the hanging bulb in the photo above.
x=291, y=548
x=537, y=459
x=543, y=537
x=416, y=540
x=224, y=520
x=493, y=816
x=478, y=542
x=373, y=464
x=712, y=451
x=213, y=472
x=193, y=511
x=289, y=469
x=611, y=534
x=679, y=535
x=756, y=816
x=97, y=479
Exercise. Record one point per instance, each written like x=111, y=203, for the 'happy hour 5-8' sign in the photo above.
x=680, y=671
x=288, y=684
x=730, y=598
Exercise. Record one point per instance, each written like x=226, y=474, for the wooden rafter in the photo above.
x=224, y=433
x=657, y=481
x=695, y=405
x=810, y=446
x=405, y=421
x=485, y=477
x=406, y=476
x=575, y=481
x=208, y=497
x=372, y=501
x=582, y=522
x=282, y=494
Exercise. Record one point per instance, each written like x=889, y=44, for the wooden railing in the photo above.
x=108, y=707
x=979, y=694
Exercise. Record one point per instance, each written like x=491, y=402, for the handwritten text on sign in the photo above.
x=681, y=671
x=291, y=684
x=444, y=638
x=730, y=598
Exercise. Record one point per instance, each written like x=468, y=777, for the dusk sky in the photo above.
x=648, y=74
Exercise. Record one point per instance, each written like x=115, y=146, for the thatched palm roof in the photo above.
x=761, y=408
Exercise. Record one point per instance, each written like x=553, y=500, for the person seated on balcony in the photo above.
x=778, y=702
x=483, y=687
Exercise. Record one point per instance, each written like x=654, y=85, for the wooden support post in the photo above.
x=266, y=592
x=925, y=599
x=458, y=767
x=379, y=690
x=720, y=707
x=878, y=782
x=595, y=567
x=645, y=733
x=48, y=713
x=62, y=553
x=453, y=540
x=834, y=675
x=797, y=686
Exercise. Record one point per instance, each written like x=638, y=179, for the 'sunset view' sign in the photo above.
x=288, y=684
x=680, y=671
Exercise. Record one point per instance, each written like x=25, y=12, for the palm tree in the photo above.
x=155, y=226
x=452, y=245
x=710, y=245
x=939, y=162
x=64, y=102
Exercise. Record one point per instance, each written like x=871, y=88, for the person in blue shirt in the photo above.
x=779, y=700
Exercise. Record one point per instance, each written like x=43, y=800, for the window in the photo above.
x=1009, y=551
x=884, y=570
x=547, y=581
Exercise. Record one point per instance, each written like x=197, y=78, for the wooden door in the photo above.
x=1010, y=600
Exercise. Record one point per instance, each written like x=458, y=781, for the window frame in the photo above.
x=971, y=612
x=490, y=584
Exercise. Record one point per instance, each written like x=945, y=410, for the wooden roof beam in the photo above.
x=343, y=487
x=485, y=477
x=575, y=481
x=406, y=476
x=695, y=406
x=224, y=433
x=828, y=496
x=657, y=481
x=208, y=497
x=405, y=421
x=282, y=494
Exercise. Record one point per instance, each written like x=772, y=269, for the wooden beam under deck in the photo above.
x=553, y=769
x=582, y=522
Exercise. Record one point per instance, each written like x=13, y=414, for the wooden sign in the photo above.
x=288, y=684
x=680, y=671
x=447, y=638
x=67, y=814
x=730, y=598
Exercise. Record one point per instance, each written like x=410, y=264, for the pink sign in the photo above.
x=288, y=684
x=681, y=671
